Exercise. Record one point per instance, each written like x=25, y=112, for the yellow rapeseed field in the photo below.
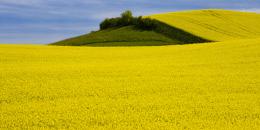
x=199, y=86
x=216, y=25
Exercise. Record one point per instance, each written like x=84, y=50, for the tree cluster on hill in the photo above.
x=127, y=19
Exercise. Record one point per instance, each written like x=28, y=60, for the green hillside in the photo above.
x=128, y=35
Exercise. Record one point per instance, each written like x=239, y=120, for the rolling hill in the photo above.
x=183, y=27
x=133, y=36
x=215, y=25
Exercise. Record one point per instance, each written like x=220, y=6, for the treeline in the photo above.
x=127, y=19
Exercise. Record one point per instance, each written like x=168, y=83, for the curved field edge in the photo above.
x=177, y=33
x=198, y=86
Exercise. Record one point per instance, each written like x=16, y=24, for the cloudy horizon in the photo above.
x=45, y=21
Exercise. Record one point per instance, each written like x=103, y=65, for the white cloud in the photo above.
x=256, y=10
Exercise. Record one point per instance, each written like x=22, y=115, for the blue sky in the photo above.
x=45, y=21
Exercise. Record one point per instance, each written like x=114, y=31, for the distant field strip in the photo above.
x=215, y=25
x=199, y=86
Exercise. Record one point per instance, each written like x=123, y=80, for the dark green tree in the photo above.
x=126, y=18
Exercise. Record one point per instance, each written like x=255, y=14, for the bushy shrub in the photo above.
x=126, y=19
x=110, y=23
x=104, y=24
x=145, y=23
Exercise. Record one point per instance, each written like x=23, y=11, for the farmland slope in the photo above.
x=215, y=25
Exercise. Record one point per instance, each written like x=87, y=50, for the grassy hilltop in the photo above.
x=128, y=36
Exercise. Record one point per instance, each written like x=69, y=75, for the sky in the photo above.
x=47, y=21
